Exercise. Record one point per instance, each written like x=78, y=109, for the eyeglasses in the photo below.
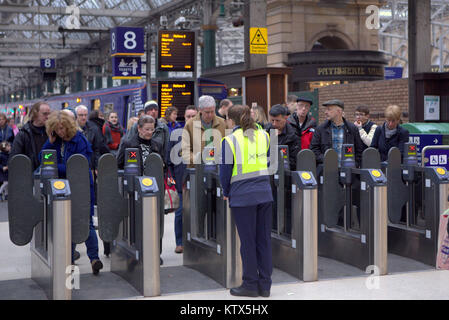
x=358, y=114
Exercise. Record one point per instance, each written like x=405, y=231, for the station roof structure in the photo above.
x=35, y=29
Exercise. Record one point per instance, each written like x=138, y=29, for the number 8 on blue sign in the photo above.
x=127, y=41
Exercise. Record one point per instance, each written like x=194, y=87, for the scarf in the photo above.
x=109, y=127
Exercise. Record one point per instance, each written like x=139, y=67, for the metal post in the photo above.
x=234, y=269
x=380, y=229
x=150, y=247
x=310, y=234
x=61, y=248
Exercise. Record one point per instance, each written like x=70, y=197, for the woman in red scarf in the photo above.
x=113, y=132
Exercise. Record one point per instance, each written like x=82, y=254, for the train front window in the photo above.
x=95, y=104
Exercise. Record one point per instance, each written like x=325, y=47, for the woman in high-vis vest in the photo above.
x=246, y=185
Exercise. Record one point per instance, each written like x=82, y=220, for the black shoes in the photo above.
x=243, y=292
x=97, y=265
x=264, y=293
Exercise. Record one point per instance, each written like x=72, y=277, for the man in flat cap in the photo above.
x=304, y=123
x=335, y=132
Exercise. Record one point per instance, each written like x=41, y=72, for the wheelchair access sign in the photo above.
x=436, y=156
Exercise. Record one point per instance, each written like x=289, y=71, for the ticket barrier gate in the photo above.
x=339, y=189
x=210, y=238
x=294, y=237
x=128, y=217
x=57, y=210
x=417, y=197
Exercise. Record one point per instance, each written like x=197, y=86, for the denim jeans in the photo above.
x=178, y=222
x=91, y=243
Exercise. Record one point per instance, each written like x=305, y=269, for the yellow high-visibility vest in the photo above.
x=250, y=155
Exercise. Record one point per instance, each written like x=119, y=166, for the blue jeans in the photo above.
x=178, y=222
x=91, y=243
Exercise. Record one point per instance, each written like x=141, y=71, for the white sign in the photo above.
x=431, y=108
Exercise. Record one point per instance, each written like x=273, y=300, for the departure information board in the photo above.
x=177, y=94
x=176, y=50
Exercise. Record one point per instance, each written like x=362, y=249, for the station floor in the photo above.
x=407, y=279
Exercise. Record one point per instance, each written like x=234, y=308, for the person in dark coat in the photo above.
x=92, y=133
x=177, y=168
x=113, y=132
x=97, y=142
x=32, y=136
x=286, y=133
x=5, y=148
x=304, y=123
x=390, y=134
x=335, y=132
x=64, y=137
x=145, y=142
x=246, y=186
x=6, y=133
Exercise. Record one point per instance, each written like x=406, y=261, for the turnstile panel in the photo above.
x=78, y=175
x=306, y=161
x=24, y=210
x=371, y=159
x=154, y=167
x=398, y=194
x=112, y=207
x=333, y=192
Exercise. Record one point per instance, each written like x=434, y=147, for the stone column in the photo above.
x=255, y=16
x=419, y=50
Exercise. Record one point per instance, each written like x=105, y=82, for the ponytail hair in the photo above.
x=241, y=115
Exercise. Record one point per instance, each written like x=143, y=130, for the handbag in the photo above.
x=443, y=243
x=171, y=197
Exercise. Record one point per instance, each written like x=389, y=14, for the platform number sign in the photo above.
x=48, y=63
x=127, y=41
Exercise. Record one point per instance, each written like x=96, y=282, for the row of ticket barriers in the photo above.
x=353, y=215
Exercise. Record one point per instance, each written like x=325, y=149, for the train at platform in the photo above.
x=126, y=100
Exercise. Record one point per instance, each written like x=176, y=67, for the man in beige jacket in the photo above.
x=205, y=129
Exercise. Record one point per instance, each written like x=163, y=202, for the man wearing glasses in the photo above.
x=365, y=125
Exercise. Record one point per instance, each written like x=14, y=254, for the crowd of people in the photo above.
x=239, y=132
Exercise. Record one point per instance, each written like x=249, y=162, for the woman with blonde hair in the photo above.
x=390, y=134
x=66, y=139
x=258, y=115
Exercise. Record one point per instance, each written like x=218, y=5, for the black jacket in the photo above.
x=96, y=139
x=135, y=142
x=3, y=163
x=322, y=140
x=29, y=141
x=383, y=144
x=289, y=136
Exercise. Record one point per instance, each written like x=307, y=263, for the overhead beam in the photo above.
x=14, y=27
x=83, y=12
x=14, y=64
x=25, y=58
x=45, y=41
x=35, y=50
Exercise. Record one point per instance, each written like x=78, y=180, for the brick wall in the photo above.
x=377, y=95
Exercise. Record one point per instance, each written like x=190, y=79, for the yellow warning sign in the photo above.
x=258, y=41
x=441, y=171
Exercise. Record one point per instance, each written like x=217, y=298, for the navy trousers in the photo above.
x=254, y=228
